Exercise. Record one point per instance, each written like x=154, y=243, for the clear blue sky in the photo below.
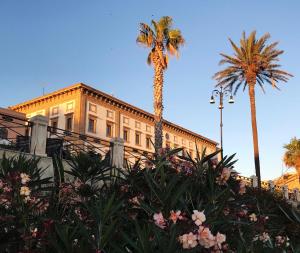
x=56, y=43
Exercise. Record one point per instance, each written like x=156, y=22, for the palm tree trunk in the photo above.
x=158, y=101
x=254, y=131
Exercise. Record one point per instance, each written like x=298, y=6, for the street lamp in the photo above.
x=221, y=93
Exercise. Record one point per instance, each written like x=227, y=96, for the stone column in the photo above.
x=285, y=191
x=271, y=186
x=117, y=153
x=254, y=181
x=296, y=195
x=39, y=135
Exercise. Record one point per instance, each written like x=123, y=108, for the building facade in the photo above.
x=10, y=130
x=85, y=110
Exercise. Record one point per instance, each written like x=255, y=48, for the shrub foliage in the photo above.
x=167, y=204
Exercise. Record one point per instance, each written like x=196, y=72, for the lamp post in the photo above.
x=221, y=93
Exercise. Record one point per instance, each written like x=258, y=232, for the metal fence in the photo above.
x=15, y=133
x=133, y=156
x=63, y=143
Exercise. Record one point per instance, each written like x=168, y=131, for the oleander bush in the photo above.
x=169, y=203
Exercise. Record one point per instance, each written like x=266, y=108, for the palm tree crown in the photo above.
x=253, y=62
x=291, y=157
x=162, y=38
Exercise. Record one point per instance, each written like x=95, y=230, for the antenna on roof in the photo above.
x=43, y=89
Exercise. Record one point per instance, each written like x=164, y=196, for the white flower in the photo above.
x=24, y=178
x=198, y=217
x=220, y=238
x=25, y=191
x=264, y=237
x=188, y=241
x=26, y=199
x=34, y=232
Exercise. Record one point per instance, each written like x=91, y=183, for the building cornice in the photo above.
x=92, y=92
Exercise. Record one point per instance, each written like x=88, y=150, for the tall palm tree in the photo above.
x=253, y=62
x=161, y=40
x=291, y=157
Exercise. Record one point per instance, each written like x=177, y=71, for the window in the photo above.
x=54, y=125
x=175, y=138
x=3, y=133
x=148, y=141
x=125, y=120
x=167, y=136
x=54, y=110
x=92, y=108
x=109, y=114
x=183, y=142
x=109, y=129
x=69, y=106
x=184, y=152
x=69, y=122
x=126, y=134
x=137, y=138
x=92, y=125
x=138, y=125
x=148, y=128
x=191, y=144
x=168, y=144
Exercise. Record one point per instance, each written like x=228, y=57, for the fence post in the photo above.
x=296, y=195
x=285, y=191
x=254, y=181
x=271, y=186
x=117, y=153
x=38, y=135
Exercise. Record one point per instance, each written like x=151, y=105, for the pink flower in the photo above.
x=214, y=162
x=253, y=217
x=226, y=211
x=7, y=189
x=174, y=216
x=124, y=188
x=159, y=220
x=242, y=189
x=34, y=233
x=188, y=241
x=225, y=175
x=77, y=183
x=198, y=217
x=220, y=238
x=134, y=201
x=148, y=164
x=264, y=237
x=279, y=240
x=205, y=237
x=24, y=178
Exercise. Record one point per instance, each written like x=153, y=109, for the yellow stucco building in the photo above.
x=82, y=109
